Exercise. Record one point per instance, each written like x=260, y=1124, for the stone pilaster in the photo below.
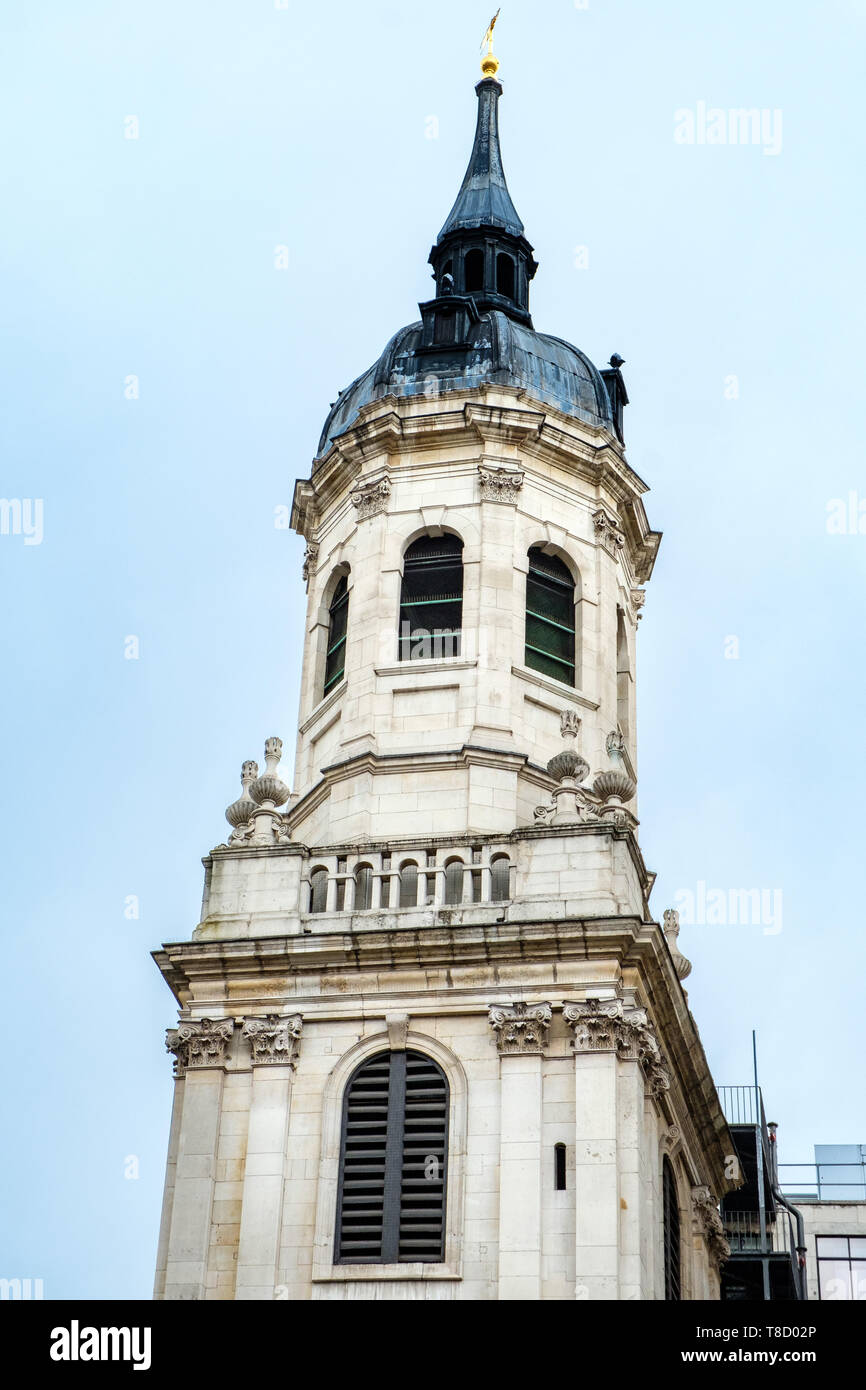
x=199, y=1048
x=274, y=1045
x=521, y=1036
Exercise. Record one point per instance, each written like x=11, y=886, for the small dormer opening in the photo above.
x=505, y=275
x=444, y=328
x=473, y=271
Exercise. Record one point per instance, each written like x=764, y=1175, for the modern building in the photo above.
x=795, y=1230
x=432, y=1043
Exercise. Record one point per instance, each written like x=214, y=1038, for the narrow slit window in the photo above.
x=338, y=623
x=391, y=1200
x=550, y=634
x=431, y=599
x=559, y=1167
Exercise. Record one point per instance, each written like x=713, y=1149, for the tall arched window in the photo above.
x=393, y=1162
x=671, y=1214
x=318, y=890
x=431, y=599
x=363, y=888
x=473, y=271
x=550, y=644
x=505, y=275
x=454, y=882
x=623, y=675
x=500, y=879
x=408, y=884
x=338, y=622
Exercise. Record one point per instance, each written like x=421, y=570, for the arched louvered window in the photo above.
x=671, y=1213
x=550, y=642
x=431, y=599
x=500, y=879
x=363, y=888
x=453, y=882
x=408, y=884
x=318, y=890
x=393, y=1162
x=338, y=622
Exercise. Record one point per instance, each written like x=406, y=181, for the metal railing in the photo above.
x=810, y=1180
x=743, y=1232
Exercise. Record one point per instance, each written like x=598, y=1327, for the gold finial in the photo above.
x=490, y=63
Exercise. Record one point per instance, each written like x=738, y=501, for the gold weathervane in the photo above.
x=490, y=63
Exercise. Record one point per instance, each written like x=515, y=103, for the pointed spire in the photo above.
x=484, y=200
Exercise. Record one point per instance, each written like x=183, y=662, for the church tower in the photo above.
x=431, y=1042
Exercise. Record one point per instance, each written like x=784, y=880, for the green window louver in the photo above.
x=431, y=599
x=335, y=661
x=550, y=642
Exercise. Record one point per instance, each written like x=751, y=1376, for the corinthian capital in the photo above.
x=520, y=1028
x=274, y=1040
x=609, y=1026
x=199, y=1043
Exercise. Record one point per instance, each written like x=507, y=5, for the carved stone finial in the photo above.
x=615, y=745
x=682, y=966
x=274, y=1040
x=240, y=812
x=199, y=1043
x=569, y=723
x=500, y=484
x=269, y=790
x=614, y=787
x=520, y=1028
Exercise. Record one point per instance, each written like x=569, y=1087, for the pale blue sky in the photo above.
x=307, y=127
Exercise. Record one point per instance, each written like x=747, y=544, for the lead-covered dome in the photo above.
x=497, y=350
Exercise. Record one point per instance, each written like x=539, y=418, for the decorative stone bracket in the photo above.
x=708, y=1223
x=608, y=532
x=311, y=559
x=371, y=498
x=608, y=1026
x=520, y=1029
x=500, y=484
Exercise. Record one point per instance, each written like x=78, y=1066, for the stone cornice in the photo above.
x=213, y=971
x=390, y=428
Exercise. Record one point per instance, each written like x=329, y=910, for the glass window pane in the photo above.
x=858, y=1247
x=454, y=883
x=408, y=885
x=834, y=1278
x=858, y=1279
x=836, y=1246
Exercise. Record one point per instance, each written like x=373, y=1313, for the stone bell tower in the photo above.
x=432, y=1043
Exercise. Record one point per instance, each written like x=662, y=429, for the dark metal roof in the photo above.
x=484, y=200
x=499, y=350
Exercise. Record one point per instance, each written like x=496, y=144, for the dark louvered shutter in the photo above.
x=671, y=1208
x=391, y=1200
x=550, y=642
